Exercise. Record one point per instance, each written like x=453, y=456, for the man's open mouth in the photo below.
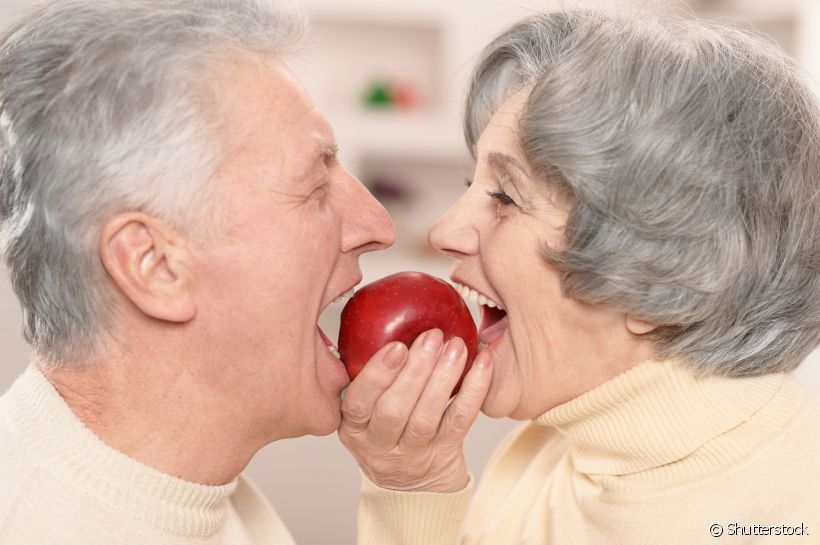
x=329, y=343
x=331, y=346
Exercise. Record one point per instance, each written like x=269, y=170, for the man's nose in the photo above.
x=367, y=226
x=454, y=233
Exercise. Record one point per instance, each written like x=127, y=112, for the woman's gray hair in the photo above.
x=104, y=108
x=690, y=156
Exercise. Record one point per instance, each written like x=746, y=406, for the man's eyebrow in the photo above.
x=328, y=151
x=498, y=160
x=321, y=154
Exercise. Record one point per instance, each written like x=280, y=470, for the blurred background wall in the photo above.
x=391, y=76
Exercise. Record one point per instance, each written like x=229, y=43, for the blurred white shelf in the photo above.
x=348, y=55
x=422, y=135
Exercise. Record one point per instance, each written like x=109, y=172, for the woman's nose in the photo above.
x=454, y=233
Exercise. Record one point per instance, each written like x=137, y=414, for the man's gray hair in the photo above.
x=690, y=156
x=104, y=108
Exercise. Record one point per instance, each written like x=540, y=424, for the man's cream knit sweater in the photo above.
x=655, y=456
x=61, y=485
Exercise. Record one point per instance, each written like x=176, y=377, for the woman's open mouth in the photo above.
x=493, y=323
x=493, y=316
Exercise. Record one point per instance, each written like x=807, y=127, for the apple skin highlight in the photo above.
x=400, y=307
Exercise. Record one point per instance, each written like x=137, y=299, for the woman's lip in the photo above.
x=494, y=332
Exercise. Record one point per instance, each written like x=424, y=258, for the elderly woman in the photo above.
x=644, y=211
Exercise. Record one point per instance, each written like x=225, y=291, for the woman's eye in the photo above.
x=502, y=198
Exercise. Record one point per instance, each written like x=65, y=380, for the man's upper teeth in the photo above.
x=472, y=295
x=344, y=297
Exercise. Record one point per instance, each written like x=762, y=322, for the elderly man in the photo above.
x=174, y=220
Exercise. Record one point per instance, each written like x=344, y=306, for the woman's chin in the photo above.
x=491, y=410
x=503, y=395
x=498, y=403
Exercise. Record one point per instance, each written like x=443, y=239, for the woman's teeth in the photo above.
x=472, y=295
x=335, y=352
x=344, y=297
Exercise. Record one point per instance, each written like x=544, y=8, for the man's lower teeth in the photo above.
x=482, y=346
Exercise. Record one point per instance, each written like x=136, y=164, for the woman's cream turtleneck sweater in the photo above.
x=655, y=456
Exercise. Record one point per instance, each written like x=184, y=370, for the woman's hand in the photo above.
x=396, y=420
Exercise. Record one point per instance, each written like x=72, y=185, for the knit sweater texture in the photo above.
x=654, y=456
x=61, y=484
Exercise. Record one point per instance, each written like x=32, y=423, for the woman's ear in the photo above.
x=150, y=263
x=638, y=327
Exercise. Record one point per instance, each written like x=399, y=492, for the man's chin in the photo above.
x=326, y=425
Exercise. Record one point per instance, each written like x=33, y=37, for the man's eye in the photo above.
x=502, y=198
x=320, y=191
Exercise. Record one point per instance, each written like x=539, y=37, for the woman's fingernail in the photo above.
x=432, y=340
x=455, y=347
x=395, y=356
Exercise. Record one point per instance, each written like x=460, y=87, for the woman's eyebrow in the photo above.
x=498, y=160
x=511, y=181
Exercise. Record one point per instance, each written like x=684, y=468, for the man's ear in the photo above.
x=149, y=262
x=638, y=327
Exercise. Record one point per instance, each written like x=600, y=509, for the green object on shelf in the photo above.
x=379, y=96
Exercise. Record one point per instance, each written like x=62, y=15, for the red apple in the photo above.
x=400, y=307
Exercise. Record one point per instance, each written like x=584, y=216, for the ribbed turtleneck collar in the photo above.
x=60, y=443
x=659, y=420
